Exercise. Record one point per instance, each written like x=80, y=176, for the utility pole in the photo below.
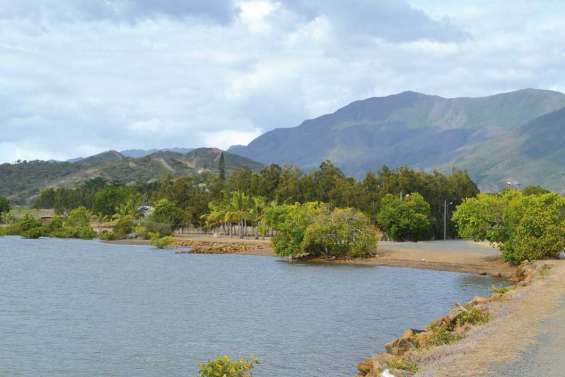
x=445, y=220
x=445, y=204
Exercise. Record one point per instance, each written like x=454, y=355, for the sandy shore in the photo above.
x=455, y=255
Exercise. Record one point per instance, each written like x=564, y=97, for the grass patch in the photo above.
x=472, y=316
x=440, y=335
x=501, y=290
x=402, y=364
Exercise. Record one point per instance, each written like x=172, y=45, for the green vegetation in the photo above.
x=160, y=242
x=75, y=225
x=494, y=137
x=473, y=316
x=223, y=366
x=501, y=290
x=196, y=197
x=526, y=227
x=24, y=180
x=405, y=219
x=315, y=230
x=4, y=206
x=402, y=364
x=441, y=334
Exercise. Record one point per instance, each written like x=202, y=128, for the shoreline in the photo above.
x=484, y=349
x=451, y=256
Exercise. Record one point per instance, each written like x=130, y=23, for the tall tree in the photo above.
x=4, y=205
x=222, y=167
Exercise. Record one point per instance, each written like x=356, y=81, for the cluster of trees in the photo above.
x=526, y=225
x=75, y=225
x=316, y=230
x=284, y=185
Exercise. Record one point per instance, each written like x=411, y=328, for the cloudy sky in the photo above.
x=79, y=77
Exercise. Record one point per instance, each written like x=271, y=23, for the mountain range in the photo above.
x=516, y=137
x=22, y=181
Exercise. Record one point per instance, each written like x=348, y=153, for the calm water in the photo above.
x=81, y=308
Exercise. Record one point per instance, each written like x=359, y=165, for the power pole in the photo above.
x=445, y=220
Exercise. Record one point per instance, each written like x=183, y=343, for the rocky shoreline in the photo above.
x=223, y=247
x=404, y=356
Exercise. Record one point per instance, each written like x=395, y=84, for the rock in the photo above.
x=403, y=344
x=395, y=373
x=364, y=367
x=478, y=300
x=379, y=361
x=455, y=312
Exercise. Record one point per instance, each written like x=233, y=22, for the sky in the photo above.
x=78, y=77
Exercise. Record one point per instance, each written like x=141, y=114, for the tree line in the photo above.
x=191, y=196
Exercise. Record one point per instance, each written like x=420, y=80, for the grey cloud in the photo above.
x=117, y=10
x=394, y=20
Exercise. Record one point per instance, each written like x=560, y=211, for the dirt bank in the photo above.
x=486, y=349
x=514, y=325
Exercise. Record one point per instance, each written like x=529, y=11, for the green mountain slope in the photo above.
x=21, y=181
x=404, y=129
x=533, y=153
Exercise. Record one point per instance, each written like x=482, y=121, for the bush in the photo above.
x=441, y=335
x=107, y=236
x=123, y=227
x=160, y=242
x=402, y=364
x=473, y=316
x=223, y=366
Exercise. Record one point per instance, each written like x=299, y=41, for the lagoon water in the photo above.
x=85, y=308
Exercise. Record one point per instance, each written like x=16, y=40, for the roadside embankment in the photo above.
x=476, y=336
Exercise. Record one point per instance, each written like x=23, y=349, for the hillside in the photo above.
x=404, y=129
x=23, y=180
x=532, y=153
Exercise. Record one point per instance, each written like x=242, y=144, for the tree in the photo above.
x=289, y=221
x=222, y=167
x=525, y=227
x=406, y=219
x=534, y=190
x=340, y=233
x=4, y=205
x=315, y=230
x=164, y=219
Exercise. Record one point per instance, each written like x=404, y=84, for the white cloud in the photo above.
x=84, y=76
x=226, y=138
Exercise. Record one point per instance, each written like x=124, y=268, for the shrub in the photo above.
x=160, y=242
x=403, y=364
x=107, y=236
x=500, y=290
x=473, y=316
x=223, y=366
x=123, y=227
x=441, y=335
x=78, y=218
